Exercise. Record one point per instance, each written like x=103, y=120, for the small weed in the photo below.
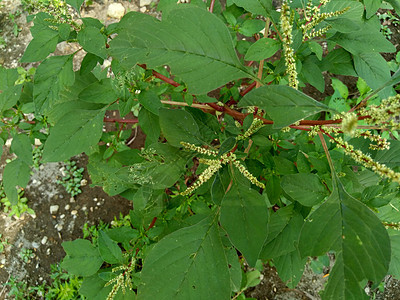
x=12, y=16
x=388, y=18
x=3, y=243
x=26, y=255
x=92, y=232
x=15, y=210
x=37, y=156
x=72, y=177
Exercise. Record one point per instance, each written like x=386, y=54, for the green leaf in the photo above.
x=99, y=92
x=93, y=41
x=316, y=48
x=290, y=267
x=256, y=7
x=390, y=157
x=51, y=77
x=373, y=68
x=16, y=173
x=150, y=101
x=283, y=104
x=195, y=261
x=312, y=74
x=75, y=3
x=109, y=250
x=362, y=245
x=368, y=39
x=93, y=288
x=178, y=126
x=150, y=125
x=394, y=267
x=1, y=146
x=395, y=4
x=82, y=259
x=123, y=234
x=244, y=216
x=251, y=26
x=22, y=147
x=75, y=133
x=42, y=44
x=262, y=49
x=338, y=61
x=9, y=92
x=64, y=30
x=371, y=6
x=200, y=50
x=306, y=188
x=283, y=232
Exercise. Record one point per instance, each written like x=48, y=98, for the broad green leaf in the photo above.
x=394, y=267
x=150, y=125
x=362, y=245
x=338, y=61
x=262, y=49
x=312, y=74
x=283, y=232
x=75, y=133
x=9, y=92
x=256, y=7
x=99, y=92
x=373, y=68
x=75, y=3
x=349, y=21
x=1, y=146
x=178, y=126
x=317, y=49
x=42, y=44
x=93, y=41
x=109, y=250
x=368, y=39
x=93, y=288
x=200, y=50
x=390, y=157
x=244, y=216
x=150, y=101
x=251, y=26
x=235, y=270
x=290, y=267
x=16, y=173
x=51, y=77
x=195, y=261
x=283, y=104
x=22, y=147
x=371, y=6
x=123, y=234
x=64, y=30
x=82, y=259
x=305, y=188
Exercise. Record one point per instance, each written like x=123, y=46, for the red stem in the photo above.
x=212, y=6
x=126, y=121
x=152, y=223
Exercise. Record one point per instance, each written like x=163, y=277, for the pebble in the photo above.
x=91, y=209
x=54, y=209
x=35, y=245
x=41, y=168
x=98, y=204
x=95, y=199
x=145, y=2
x=3, y=261
x=116, y=10
x=74, y=212
x=62, y=216
x=67, y=207
x=48, y=251
x=72, y=200
x=59, y=227
x=83, y=182
x=84, y=208
x=143, y=9
x=44, y=240
x=37, y=142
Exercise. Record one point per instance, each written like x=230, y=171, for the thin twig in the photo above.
x=212, y=6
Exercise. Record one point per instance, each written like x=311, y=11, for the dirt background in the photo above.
x=45, y=231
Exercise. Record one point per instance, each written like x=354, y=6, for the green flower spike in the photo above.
x=214, y=165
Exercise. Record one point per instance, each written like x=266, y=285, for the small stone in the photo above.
x=95, y=199
x=84, y=208
x=145, y=2
x=59, y=227
x=116, y=10
x=62, y=216
x=3, y=261
x=143, y=9
x=35, y=245
x=44, y=240
x=41, y=168
x=83, y=182
x=67, y=207
x=37, y=142
x=48, y=251
x=91, y=209
x=54, y=209
x=74, y=212
x=98, y=204
x=72, y=200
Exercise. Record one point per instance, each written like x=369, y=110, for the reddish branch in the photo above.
x=126, y=121
x=212, y=6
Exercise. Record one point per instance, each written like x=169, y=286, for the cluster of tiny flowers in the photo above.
x=290, y=62
x=349, y=123
x=214, y=165
x=367, y=161
x=381, y=143
x=392, y=225
x=384, y=113
x=122, y=281
x=254, y=127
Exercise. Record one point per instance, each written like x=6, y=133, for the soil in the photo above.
x=45, y=231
